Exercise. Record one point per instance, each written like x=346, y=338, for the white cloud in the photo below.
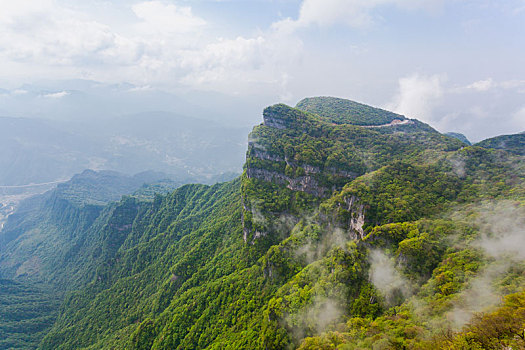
x=481, y=85
x=228, y=53
x=513, y=84
x=236, y=64
x=164, y=18
x=46, y=33
x=56, y=95
x=15, y=10
x=481, y=109
x=519, y=119
x=417, y=96
x=151, y=43
x=353, y=13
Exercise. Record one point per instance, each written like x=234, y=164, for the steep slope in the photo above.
x=174, y=245
x=48, y=228
x=26, y=313
x=49, y=246
x=335, y=236
x=295, y=159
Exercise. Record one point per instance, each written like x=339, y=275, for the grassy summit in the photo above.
x=341, y=111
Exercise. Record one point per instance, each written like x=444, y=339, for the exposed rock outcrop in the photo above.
x=305, y=183
x=357, y=218
x=261, y=154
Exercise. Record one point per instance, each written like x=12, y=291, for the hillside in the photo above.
x=336, y=236
x=50, y=233
x=510, y=143
x=46, y=247
x=26, y=313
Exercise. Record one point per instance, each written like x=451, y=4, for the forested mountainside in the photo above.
x=46, y=246
x=339, y=234
x=511, y=143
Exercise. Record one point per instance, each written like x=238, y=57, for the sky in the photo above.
x=455, y=64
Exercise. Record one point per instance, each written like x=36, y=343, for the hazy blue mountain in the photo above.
x=85, y=100
x=37, y=151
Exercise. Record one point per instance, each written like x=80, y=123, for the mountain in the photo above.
x=341, y=111
x=510, y=143
x=336, y=235
x=36, y=154
x=46, y=246
x=48, y=228
x=86, y=100
x=459, y=136
x=34, y=151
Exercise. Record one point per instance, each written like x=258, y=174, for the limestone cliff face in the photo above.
x=305, y=183
x=299, y=156
x=282, y=160
x=278, y=117
x=274, y=121
x=357, y=217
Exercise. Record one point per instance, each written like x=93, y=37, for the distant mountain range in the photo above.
x=39, y=151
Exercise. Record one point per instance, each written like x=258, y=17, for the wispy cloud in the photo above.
x=472, y=108
x=387, y=279
x=481, y=85
x=165, y=18
x=502, y=238
x=353, y=13
x=56, y=95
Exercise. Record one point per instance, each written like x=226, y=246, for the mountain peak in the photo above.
x=281, y=116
